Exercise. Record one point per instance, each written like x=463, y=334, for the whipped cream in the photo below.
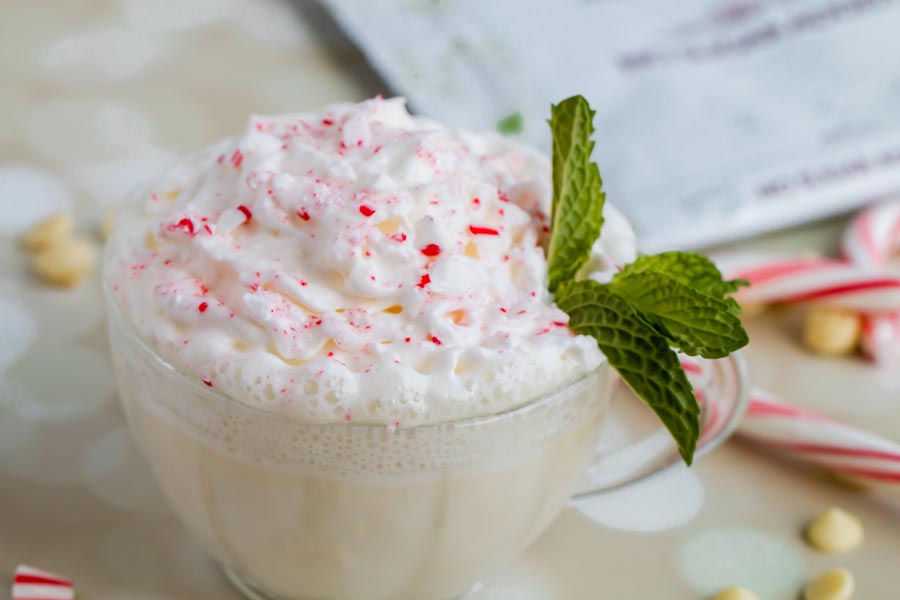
x=359, y=265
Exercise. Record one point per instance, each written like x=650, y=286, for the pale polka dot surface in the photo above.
x=134, y=596
x=17, y=331
x=173, y=15
x=57, y=382
x=13, y=104
x=269, y=23
x=61, y=315
x=98, y=95
x=181, y=123
x=143, y=565
x=192, y=565
x=34, y=459
x=15, y=434
x=76, y=130
x=512, y=584
x=663, y=502
x=109, y=468
x=288, y=90
x=720, y=558
x=99, y=55
x=27, y=195
x=111, y=181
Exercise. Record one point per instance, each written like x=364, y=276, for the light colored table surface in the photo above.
x=97, y=94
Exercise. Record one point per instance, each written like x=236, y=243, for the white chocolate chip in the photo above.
x=64, y=263
x=736, y=593
x=46, y=232
x=835, y=530
x=832, y=331
x=836, y=584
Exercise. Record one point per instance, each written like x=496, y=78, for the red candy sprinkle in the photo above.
x=366, y=211
x=424, y=281
x=476, y=230
x=303, y=215
x=207, y=382
x=203, y=306
x=399, y=237
x=237, y=158
x=431, y=250
x=327, y=122
x=247, y=214
x=185, y=225
x=435, y=340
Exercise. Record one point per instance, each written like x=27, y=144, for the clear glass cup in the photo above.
x=297, y=511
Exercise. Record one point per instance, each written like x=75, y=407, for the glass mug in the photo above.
x=297, y=511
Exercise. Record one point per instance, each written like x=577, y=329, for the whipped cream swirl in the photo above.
x=358, y=264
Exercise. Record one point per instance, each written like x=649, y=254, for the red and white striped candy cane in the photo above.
x=34, y=584
x=870, y=241
x=787, y=279
x=814, y=438
x=873, y=236
x=840, y=448
x=881, y=337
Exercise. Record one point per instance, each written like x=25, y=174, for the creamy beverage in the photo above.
x=336, y=348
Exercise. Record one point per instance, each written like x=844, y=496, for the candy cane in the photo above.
x=869, y=241
x=785, y=279
x=873, y=236
x=34, y=584
x=811, y=437
x=803, y=434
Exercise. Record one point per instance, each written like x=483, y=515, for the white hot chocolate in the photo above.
x=347, y=285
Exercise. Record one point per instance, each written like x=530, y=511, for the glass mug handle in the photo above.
x=722, y=391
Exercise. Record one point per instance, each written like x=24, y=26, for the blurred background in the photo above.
x=718, y=120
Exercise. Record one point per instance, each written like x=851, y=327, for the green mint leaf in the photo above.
x=511, y=124
x=693, y=270
x=694, y=322
x=577, y=213
x=641, y=356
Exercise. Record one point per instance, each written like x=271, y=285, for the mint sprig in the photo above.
x=691, y=269
x=659, y=303
x=640, y=355
x=577, y=213
x=695, y=322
